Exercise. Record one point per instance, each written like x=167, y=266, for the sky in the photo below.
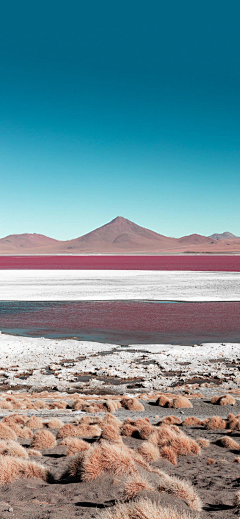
x=124, y=108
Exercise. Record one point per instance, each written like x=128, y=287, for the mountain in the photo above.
x=120, y=236
x=224, y=236
x=17, y=242
x=117, y=236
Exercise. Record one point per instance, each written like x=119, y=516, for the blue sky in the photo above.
x=119, y=108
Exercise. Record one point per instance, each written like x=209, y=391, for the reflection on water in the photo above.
x=124, y=322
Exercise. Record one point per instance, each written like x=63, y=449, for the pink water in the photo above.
x=125, y=322
x=184, y=262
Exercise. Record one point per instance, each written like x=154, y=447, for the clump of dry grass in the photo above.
x=12, y=468
x=228, y=443
x=22, y=432
x=237, y=459
x=128, y=429
x=115, y=459
x=172, y=420
x=149, y=451
x=169, y=454
x=223, y=400
x=233, y=422
x=182, y=489
x=19, y=419
x=34, y=423
x=211, y=461
x=6, y=433
x=134, y=486
x=215, y=422
x=163, y=401
x=43, y=439
x=111, y=433
x=142, y=509
x=80, y=431
x=78, y=404
x=192, y=420
x=181, y=402
x=203, y=442
x=5, y=405
x=34, y=452
x=75, y=445
x=132, y=404
x=178, y=441
x=55, y=423
x=12, y=448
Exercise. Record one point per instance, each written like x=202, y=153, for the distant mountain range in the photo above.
x=120, y=236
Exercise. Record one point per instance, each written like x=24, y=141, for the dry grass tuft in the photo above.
x=215, y=422
x=12, y=448
x=192, y=420
x=228, y=443
x=163, y=400
x=211, y=461
x=34, y=423
x=43, y=439
x=102, y=457
x=16, y=468
x=55, y=423
x=75, y=445
x=169, y=454
x=172, y=420
x=6, y=433
x=142, y=509
x=34, y=452
x=182, y=489
x=5, y=405
x=134, y=486
x=79, y=431
x=22, y=432
x=203, y=442
x=111, y=433
x=170, y=436
x=149, y=451
x=181, y=402
x=19, y=419
x=132, y=404
x=223, y=400
x=237, y=459
x=128, y=429
x=233, y=422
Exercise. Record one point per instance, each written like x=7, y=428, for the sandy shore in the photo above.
x=72, y=365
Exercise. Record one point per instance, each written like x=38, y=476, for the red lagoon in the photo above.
x=125, y=322
x=212, y=263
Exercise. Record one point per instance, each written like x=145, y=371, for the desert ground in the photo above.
x=112, y=433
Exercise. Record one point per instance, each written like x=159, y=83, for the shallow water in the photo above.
x=124, y=322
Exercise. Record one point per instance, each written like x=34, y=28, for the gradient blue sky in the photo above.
x=123, y=108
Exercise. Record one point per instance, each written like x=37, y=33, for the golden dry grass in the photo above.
x=215, y=422
x=181, y=402
x=111, y=433
x=149, y=451
x=142, y=509
x=192, y=420
x=75, y=445
x=80, y=431
x=12, y=448
x=179, y=442
x=132, y=404
x=19, y=419
x=34, y=452
x=55, y=423
x=228, y=443
x=34, y=423
x=182, y=489
x=169, y=454
x=134, y=485
x=203, y=442
x=163, y=400
x=233, y=422
x=6, y=433
x=22, y=432
x=172, y=420
x=237, y=459
x=223, y=400
x=237, y=499
x=12, y=468
x=211, y=461
x=43, y=439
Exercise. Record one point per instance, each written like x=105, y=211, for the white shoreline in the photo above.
x=112, y=285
